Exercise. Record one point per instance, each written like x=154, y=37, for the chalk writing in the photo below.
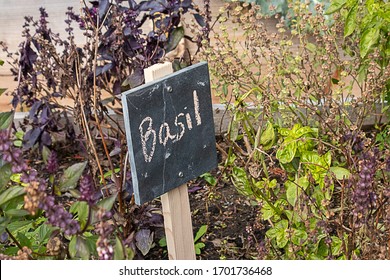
x=196, y=106
x=148, y=155
x=149, y=135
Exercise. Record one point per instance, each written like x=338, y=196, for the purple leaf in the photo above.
x=127, y=31
x=57, y=94
x=135, y=79
x=102, y=69
x=117, y=88
x=152, y=6
x=115, y=151
x=103, y=8
x=46, y=138
x=194, y=189
x=31, y=137
x=45, y=115
x=31, y=54
x=34, y=109
x=133, y=5
x=134, y=44
x=107, y=67
x=156, y=220
x=186, y=4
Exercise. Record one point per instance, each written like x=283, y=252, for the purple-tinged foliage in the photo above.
x=58, y=216
x=356, y=140
x=10, y=154
x=52, y=163
x=5, y=142
x=124, y=49
x=87, y=190
x=364, y=197
x=30, y=176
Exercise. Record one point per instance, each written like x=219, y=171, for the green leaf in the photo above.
x=6, y=119
x=210, y=179
x=299, y=236
x=91, y=240
x=107, y=203
x=202, y=230
x=240, y=181
x=11, y=251
x=23, y=240
x=369, y=38
x=18, y=143
x=337, y=244
x=163, y=242
x=45, y=154
x=78, y=248
x=15, y=177
x=19, y=135
x=119, y=253
x=267, y=211
x=109, y=173
x=340, y=172
x=234, y=127
x=306, y=130
x=335, y=5
x=44, y=232
x=279, y=233
x=287, y=151
x=71, y=176
x=5, y=175
x=303, y=182
x=81, y=209
x=16, y=213
x=326, y=159
x=267, y=138
x=11, y=193
x=21, y=226
x=292, y=192
x=198, y=247
x=174, y=38
x=322, y=250
x=350, y=22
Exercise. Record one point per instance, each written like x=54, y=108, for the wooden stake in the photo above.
x=175, y=203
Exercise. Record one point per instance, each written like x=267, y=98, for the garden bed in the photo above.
x=304, y=162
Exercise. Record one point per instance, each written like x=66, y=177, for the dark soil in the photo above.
x=227, y=215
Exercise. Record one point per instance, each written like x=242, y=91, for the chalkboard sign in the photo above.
x=170, y=131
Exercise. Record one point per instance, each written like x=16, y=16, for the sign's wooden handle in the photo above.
x=175, y=203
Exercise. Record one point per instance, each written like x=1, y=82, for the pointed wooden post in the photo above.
x=175, y=203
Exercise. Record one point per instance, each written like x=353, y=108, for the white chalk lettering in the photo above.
x=164, y=134
x=148, y=133
x=148, y=155
x=182, y=127
x=189, y=122
x=196, y=107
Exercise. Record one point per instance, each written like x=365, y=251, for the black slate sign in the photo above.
x=170, y=131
